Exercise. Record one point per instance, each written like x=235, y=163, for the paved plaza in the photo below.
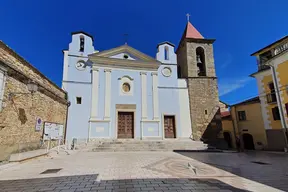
x=149, y=171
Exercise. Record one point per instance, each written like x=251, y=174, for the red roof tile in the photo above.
x=225, y=113
x=192, y=32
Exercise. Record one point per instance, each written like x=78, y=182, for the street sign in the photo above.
x=38, y=125
x=53, y=131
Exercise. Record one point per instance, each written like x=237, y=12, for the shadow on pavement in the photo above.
x=263, y=167
x=89, y=183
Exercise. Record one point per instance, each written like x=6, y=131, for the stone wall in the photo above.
x=203, y=91
x=192, y=60
x=182, y=60
x=204, y=105
x=19, y=112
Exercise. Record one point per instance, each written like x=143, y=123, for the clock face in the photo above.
x=166, y=71
x=80, y=65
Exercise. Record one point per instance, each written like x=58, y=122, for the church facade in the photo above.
x=123, y=93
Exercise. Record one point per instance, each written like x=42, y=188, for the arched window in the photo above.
x=166, y=53
x=200, y=56
x=82, y=42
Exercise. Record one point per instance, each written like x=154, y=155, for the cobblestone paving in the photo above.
x=89, y=183
x=274, y=171
x=141, y=171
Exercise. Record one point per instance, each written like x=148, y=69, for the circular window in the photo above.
x=125, y=56
x=80, y=65
x=166, y=71
x=126, y=87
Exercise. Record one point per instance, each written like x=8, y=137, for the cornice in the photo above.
x=121, y=49
x=154, y=73
x=121, y=63
x=107, y=70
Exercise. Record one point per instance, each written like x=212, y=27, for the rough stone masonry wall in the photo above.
x=192, y=59
x=203, y=95
x=9, y=57
x=18, y=116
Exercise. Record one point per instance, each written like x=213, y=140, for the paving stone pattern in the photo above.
x=90, y=183
x=150, y=171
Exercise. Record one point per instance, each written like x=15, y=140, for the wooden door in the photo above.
x=169, y=127
x=125, y=125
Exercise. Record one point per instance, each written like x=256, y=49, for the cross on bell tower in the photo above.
x=188, y=17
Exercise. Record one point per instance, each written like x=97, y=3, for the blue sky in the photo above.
x=40, y=30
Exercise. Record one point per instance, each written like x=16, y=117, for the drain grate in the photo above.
x=48, y=171
x=260, y=162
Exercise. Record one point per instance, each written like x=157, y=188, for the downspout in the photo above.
x=280, y=104
x=234, y=129
x=239, y=132
x=66, y=120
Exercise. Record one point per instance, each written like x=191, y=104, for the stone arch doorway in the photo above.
x=227, y=137
x=248, y=141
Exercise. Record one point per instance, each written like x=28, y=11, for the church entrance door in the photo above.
x=125, y=125
x=169, y=126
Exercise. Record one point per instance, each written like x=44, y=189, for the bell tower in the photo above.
x=196, y=64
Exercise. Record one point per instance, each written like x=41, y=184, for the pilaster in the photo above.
x=95, y=93
x=144, y=94
x=155, y=95
x=107, y=94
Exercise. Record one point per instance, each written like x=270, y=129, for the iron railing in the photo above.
x=271, y=98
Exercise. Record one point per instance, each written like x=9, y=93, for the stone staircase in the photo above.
x=144, y=145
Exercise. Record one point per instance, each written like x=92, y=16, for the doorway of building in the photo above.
x=248, y=141
x=227, y=137
x=125, y=125
x=169, y=126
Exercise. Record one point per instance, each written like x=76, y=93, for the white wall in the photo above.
x=185, y=120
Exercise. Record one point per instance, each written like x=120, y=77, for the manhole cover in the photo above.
x=261, y=163
x=48, y=171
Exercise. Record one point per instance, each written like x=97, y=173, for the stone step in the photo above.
x=139, y=145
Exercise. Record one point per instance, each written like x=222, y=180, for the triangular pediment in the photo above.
x=124, y=52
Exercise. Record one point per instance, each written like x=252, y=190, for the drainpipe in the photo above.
x=282, y=116
x=239, y=132
x=66, y=120
x=234, y=129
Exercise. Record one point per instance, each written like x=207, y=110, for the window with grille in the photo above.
x=78, y=100
x=276, y=114
x=241, y=115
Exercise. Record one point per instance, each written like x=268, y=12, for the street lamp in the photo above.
x=32, y=88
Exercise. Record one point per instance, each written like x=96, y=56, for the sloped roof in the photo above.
x=225, y=113
x=192, y=32
x=248, y=101
x=124, y=48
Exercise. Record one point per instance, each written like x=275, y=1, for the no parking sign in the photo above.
x=38, y=125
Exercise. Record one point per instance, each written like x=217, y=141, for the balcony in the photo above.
x=271, y=98
x=262, y=67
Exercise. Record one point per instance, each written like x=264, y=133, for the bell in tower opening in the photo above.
x=200, y=56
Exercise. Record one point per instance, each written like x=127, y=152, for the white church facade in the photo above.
x=123, y=93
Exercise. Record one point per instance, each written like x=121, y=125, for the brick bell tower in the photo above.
x=196, y=64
